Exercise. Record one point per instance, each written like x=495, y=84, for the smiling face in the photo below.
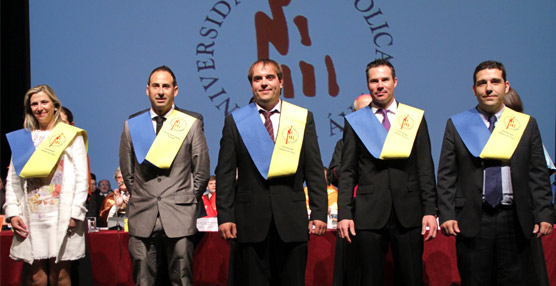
x=42, y=109
x=490, y=88
x=266, y=85
x=161, y=91
x=381, y=85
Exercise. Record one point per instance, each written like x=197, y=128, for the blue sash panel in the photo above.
x=255, y=137
x=472, y=130
x=22, y=147
x=142, y=134
x=369, y=129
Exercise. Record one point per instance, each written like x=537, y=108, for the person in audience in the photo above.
x=334, y=167
x=493, y=190
x=538, y=273
x=209, y=199
x=45, y=200
x=66, y=116
x=115, y=203
x=97, y=197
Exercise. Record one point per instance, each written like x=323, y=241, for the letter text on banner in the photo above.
x=289, y=140
x=169, y=140
x=506, y=135
x=400, y=138
x=46, y=156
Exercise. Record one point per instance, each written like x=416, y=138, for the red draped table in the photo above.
x=111, y=264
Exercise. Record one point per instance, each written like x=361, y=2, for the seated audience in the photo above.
x=97, y=197
x=115, y=203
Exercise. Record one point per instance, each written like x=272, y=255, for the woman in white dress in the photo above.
x=46, y=210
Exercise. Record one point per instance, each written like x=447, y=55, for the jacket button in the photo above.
x=159, y=179
x=159, y=198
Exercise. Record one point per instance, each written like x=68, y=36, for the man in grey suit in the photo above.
x=165, y=163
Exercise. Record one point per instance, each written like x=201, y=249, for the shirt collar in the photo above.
x=485, y=115
x=392, y=108
x=277, y=107
x=153, y=114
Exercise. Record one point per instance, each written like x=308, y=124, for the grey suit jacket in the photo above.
x=170, y=193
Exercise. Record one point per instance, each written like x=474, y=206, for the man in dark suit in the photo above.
x=493, y=202
x=334, y=167
x=264, y=211
x=165, y=163
x=396, y=195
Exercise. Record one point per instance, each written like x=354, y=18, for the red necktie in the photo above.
x=267, y=122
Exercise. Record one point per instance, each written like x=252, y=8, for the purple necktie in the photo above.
x=493, y=175
x=385, y=121
x=268, y=122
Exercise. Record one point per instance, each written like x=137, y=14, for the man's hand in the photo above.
x=346, y=227
x=227, y=230
x=19, y=226
x=450, y=227
x=319, y=227
x=544, y=229
x=430, y=222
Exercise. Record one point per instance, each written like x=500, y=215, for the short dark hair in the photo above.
x=68, y=114
x=377, y=63
x=265, y=62
x=489, y=65
x=166, y=69
x=513, y=101
x=93, y=177
x=212, y=178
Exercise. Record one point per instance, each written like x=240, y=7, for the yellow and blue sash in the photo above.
x=394, y=144
x=501, y=144
x=273, y=160
x=38, y=163
x=159, y=150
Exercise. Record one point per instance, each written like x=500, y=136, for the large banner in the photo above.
x=97, y=56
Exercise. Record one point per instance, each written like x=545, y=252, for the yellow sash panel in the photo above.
x=285, y=156
x=46, y=156
x=506, y=135
x=400, y=137
x=169, y=139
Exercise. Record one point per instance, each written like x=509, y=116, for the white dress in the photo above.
x=46, y=206
x=43, y=198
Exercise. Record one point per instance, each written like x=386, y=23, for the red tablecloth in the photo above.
x=111, y=264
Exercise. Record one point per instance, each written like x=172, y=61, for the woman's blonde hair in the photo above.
x=30, y=123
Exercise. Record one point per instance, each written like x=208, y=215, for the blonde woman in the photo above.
x=46, y=189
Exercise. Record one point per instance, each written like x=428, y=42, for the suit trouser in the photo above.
x=407, y=251
x=270, y=262
x=150, y=254
x=498, y=255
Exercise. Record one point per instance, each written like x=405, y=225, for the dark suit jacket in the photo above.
x=172, y=193
x=407, y=185
x=460, y=182
x=333, y=174
x=252, y=202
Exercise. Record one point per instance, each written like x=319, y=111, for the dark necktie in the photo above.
x=159, y=121
x=493, y=175
x=267, y=122
x=385, y=121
